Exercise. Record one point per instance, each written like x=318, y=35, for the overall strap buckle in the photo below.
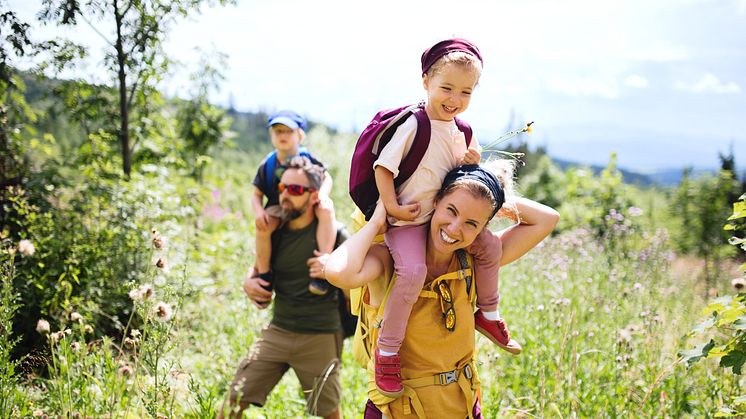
x=448, y=377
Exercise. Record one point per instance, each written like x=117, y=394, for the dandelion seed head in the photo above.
x=26, y=247
x=738, y=284
x=42, y=327
x=162, y=311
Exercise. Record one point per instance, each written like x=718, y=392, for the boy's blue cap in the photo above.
x=287, y=118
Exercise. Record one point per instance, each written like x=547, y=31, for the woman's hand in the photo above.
x=317, y=265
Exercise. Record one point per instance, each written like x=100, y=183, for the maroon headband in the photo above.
x=435, y=52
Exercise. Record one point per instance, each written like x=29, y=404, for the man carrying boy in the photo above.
x=287, y=132
x=305, y=331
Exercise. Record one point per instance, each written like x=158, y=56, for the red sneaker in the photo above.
x=496, y=331
x=388, y=375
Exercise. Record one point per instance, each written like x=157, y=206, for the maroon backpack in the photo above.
x=375, y=137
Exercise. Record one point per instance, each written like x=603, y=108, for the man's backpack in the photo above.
x=375, y=137
x=270, y=167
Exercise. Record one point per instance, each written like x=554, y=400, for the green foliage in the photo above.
x=726, y=320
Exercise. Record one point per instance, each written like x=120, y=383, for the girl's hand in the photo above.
x=405, y=212
x=472, y=156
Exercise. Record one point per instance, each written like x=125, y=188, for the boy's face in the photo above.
x=449, y=91
x=284, y=138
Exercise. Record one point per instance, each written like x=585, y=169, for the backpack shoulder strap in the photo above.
x=270, y=165
x=412, y=160
x=382, y=306
x=466, y=129
x=467, y=267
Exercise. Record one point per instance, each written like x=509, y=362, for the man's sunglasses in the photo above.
x=295, y=190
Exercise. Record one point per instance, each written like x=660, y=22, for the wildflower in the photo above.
x=57, y=336
x=157, y=242
x=135, y=333
x=38, y=413
x=75, y=346
x=26, y=247
x=125, y=370
x=637, y=286
x=625, y=336
x=146, y=291
x=540, y=307
x=135, y=294
x=129, y=343
x=162, y=311
x=76, y=317
x=67, y=332
x=62, y=360
x=88, y=328
x=42, y=326
x=634, y=211
x=738, y=283
x=161, y=263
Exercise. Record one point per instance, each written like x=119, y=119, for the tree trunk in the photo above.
x=124, y=136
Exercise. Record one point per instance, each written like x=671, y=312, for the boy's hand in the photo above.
x=324, y=208
x=405, y=212
x=472, y=156
x=262, y=220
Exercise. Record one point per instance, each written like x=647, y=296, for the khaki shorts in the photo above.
x=313, y=357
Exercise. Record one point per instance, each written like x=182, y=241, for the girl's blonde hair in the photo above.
x=462, y=58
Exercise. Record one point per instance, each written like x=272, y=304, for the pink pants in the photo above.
x=407, y=247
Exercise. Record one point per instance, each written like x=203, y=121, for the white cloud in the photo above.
x=709, y=83
x=636, y=81
x=583, y=86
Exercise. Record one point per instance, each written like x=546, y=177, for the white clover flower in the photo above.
x=42, y=326
x=26, y=247
x=162, y=311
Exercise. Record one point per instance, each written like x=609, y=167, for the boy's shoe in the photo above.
x=497, y=332
x=388, y=375
x=318, y=286
x=267, y=276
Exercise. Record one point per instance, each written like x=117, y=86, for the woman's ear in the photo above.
x=425, y=81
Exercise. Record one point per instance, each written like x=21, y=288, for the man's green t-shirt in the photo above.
x=296, y=309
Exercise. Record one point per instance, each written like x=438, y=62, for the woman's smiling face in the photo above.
x=458, y=218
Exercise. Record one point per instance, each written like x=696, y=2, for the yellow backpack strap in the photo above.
x=382, y=306
x=467, y=272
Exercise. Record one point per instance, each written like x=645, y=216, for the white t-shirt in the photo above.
x=446, y=151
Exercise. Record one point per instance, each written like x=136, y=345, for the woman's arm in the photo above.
x=537, y=221
x=354, y=263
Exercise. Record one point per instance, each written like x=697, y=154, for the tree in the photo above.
x=134, y=55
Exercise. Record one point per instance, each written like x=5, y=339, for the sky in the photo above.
x=660, y=82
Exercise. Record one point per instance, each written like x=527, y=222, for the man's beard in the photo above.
x=290, y=213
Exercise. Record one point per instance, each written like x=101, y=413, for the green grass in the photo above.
x=601, y=321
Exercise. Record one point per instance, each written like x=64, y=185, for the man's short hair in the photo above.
x=314, y=172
